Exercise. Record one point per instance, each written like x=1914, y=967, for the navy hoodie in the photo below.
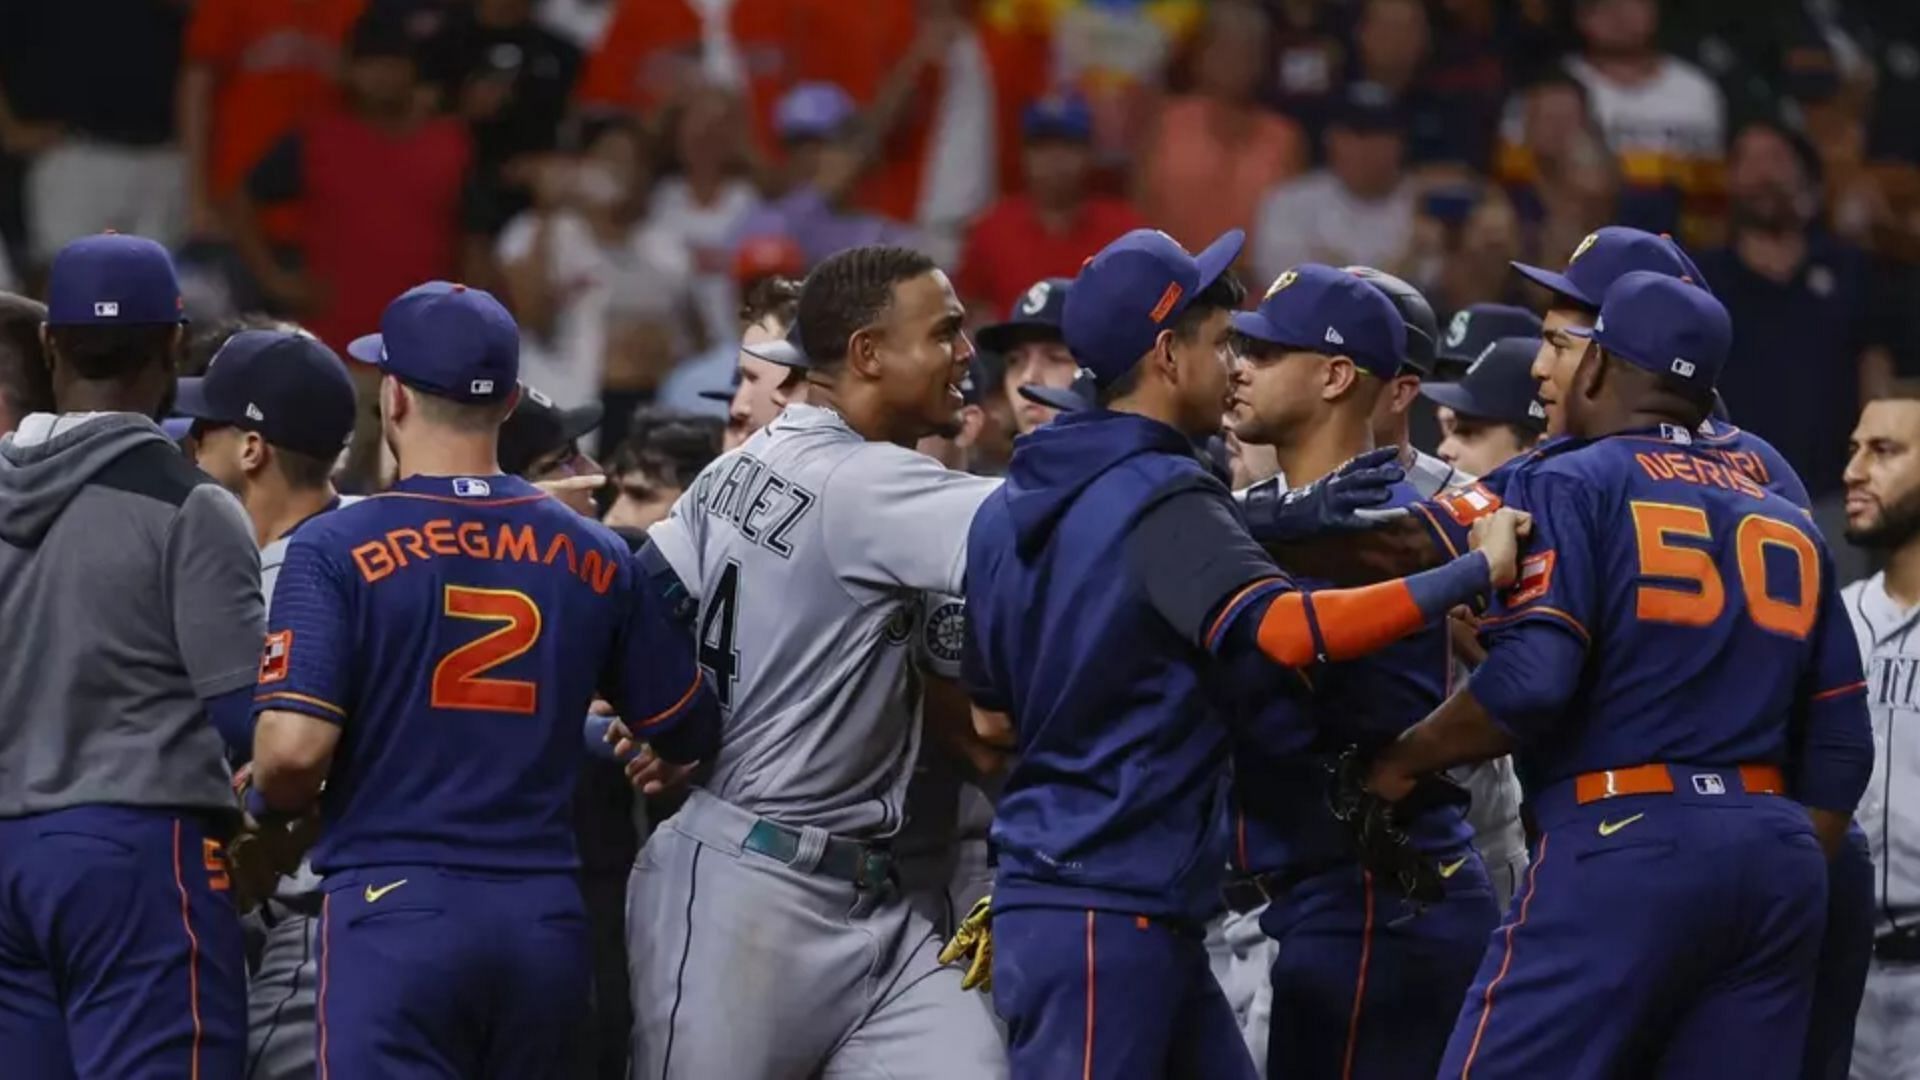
x=1117, y=799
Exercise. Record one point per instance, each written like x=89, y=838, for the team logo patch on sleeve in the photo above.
x=945, y=628
x=274, y=657
x=1536, y=577
x=1467, y=505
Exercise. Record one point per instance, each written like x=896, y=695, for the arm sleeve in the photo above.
x=677, y=537
x=1536, y=633
x=655, y=682
x=231, y=714
x=307, y=665
x=213, y=579
x=1833, y=735
x=277, y=177
x=1197, y=561
x=974, y=673
x=898, y=519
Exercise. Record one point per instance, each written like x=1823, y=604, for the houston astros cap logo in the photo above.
x=1285, y=279
x=1584, y=245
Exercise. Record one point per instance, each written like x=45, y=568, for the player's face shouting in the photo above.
x=1883, y=475
x=923, y=352
x=1557, y=360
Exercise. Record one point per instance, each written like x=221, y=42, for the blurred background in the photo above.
x=621, y=170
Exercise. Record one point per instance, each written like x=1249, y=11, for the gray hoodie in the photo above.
x=129, y=593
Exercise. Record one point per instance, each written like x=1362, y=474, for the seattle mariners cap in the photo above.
x=1320, y=309
x=784, y=351
x=537, y=427
x=1035, y=318
x=113, y=280
x=1082, y=395
x=1498, y=387
x=1131, y=291
x=446, y=340
x=287, y=387
x=812, y=110
x=1604, y=256
x=1664, y=325
x=1064, y=116
x=1477, y=326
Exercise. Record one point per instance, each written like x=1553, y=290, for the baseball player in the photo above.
x=129, y=605
x=1672, y=654
x=1035, y=355
x=768, y=938
x=1354, y=958
x=1475, y=327
x=1883, y=515
x=430, y=654
x=1114, y=599
x=1493, y=413
x=272, y=413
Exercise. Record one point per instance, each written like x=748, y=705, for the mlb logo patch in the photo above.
x=274, y=657
x=1709, y=784
x=468, y=487
x=480, y=386
x=1468, y=504
x=1536, y=577
x=106, y=309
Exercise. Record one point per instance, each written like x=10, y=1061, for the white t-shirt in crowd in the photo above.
x=582, y=22
x=649, y=267
x=1315, y=219
x=707, y=233
x=961, y=171
x=1679, y=113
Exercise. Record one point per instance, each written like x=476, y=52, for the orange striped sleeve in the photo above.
x=1338, y=624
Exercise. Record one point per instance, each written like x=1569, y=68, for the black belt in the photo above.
x=1899, y=946
x=867, y=866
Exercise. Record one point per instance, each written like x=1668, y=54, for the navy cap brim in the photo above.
x=582, y=420
x=779, y=351
x=1554, y=282
x=1007, y=336
x=1217, y=257
x=722, y=396
x=177, y=427
x=190, y=401
x=1055, y=397
x=1454, y=396
x=368, y=349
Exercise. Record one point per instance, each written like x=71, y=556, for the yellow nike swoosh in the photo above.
x=1608, y=828
x=375, y=894
x=1447, y=870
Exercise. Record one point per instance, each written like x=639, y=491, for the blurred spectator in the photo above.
x=588, y=276
x=582, y=22
x=1034, y=351
x=89, y=100
x=1116, y=53
x=1662, y=117
x=1358, y=209
x=660, y=457
x=510, y=78
x=1055, y=225
x=1464, y=236
x=1556, y=166
x=255, y=70
x=541, y=441
x=703, y=203
x=1392, y=40
x=380, y=193
x=1214, y=152
x=1802, y=328
x=1308, y=55
x=825, y=149
x=26, y=386
x=1467, y=71
x=653, y=51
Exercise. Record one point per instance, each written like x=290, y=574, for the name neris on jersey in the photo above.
x=760, y=504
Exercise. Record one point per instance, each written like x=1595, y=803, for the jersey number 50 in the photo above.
x=459, y=679
x=1655, y=525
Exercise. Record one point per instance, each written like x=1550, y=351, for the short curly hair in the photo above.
x=847, y=292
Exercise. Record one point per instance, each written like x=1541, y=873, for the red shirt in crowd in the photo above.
x=1010, y=247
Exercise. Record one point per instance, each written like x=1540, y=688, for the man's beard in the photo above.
x=1899, y=522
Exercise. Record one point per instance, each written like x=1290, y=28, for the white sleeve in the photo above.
x=894, y=518
x=677, y=538
x=516, y=240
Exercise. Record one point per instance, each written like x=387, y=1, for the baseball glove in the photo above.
x=1379, y=829
x=972, y=944
x=266, y=849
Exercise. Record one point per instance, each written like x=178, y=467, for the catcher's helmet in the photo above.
x=1423, y=330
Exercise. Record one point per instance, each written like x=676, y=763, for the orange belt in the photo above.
x=1658, y=780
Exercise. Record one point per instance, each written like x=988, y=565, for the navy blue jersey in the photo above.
x=456, y=629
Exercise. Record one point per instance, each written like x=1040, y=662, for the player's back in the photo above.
x=484, y=616
x=1697, y=593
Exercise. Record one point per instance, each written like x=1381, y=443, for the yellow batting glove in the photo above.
x=972, y=943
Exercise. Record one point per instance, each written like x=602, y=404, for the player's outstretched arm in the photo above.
x=654, y=680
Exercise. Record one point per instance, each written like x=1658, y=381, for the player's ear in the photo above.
x=253, y=451
x=1337, y=376
x=863, y=352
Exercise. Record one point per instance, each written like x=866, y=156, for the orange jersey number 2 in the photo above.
x=459, y=679
x=1698, y=596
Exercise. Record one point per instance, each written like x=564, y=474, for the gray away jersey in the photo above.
x=1890, y=809
x=809, y=548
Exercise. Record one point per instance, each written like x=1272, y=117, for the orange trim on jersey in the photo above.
x=1227, y=609
x=1839, y=691
x=1552, y=612
x=1086, y=1054
x=458, y=501
x=1445, y=540
x=1352, y=622
x=1506, y=960
x=193, y=953
x=288, y=695
x=667, y=713
x=326, y=961
x=1360, y=984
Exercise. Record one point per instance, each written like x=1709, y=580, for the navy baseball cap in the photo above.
x=1664, y=325
x=1604, y=256
x=1083, y=394
x=286, y=386
x=1035, y=318
x=1320, y=309
x=1065, y=116
x=1498, y=387
x=113, y=280
x=446, y=340
x=1132, y=290
x=538, y=426
x=785, y=351
x=1477, y=326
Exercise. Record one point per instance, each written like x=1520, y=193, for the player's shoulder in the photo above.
x=1853, y=592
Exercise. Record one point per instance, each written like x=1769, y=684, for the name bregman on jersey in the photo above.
x=758, y=502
